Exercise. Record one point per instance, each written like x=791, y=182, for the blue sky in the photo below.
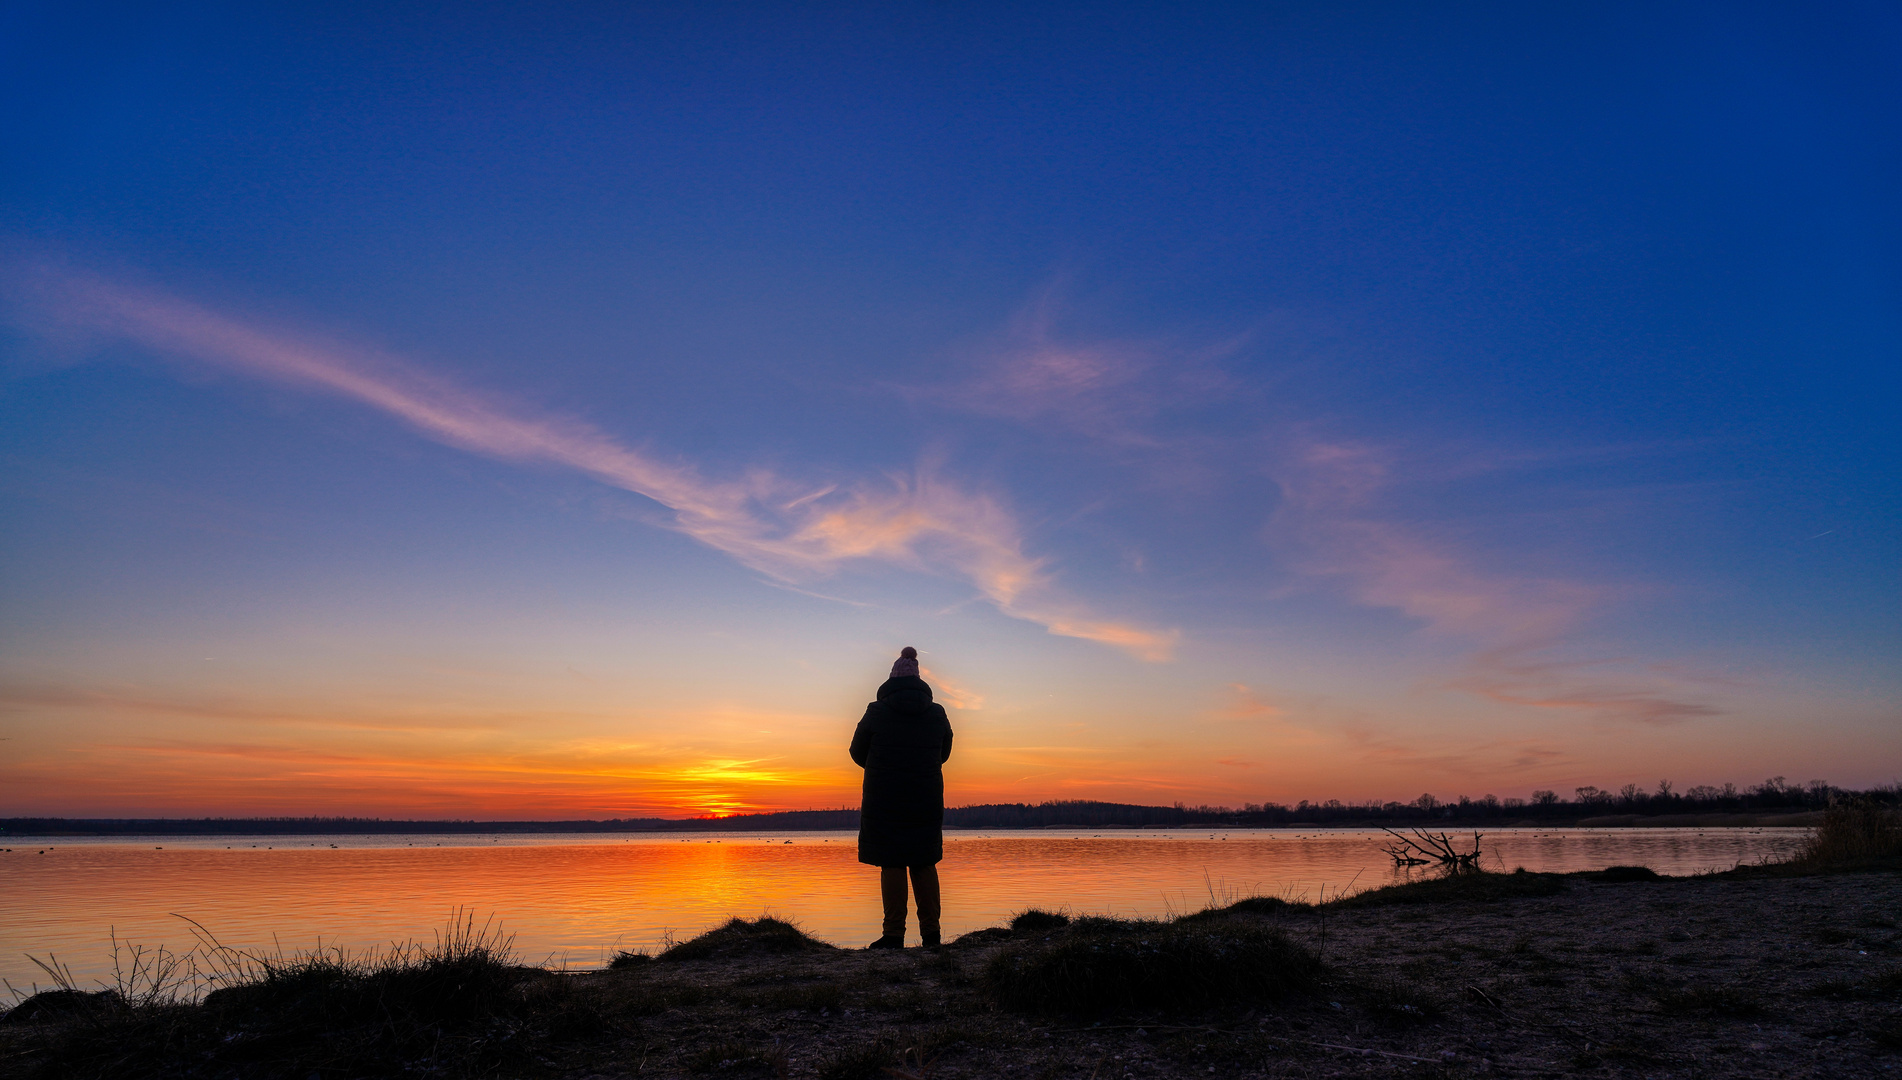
x=568, y=411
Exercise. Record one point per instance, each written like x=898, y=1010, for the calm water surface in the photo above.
x=575, y=899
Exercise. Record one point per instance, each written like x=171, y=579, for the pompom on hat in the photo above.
x=907, y=664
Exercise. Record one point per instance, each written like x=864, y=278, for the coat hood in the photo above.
x=906, y=692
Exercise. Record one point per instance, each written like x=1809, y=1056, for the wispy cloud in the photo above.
x=1331, y=521
x=1245, y=704
x=1513, y=677
x=1341, y=521
x=786, y=529
x=1111, y=391
x=948, y=691
x=1334, y=522
x=1333, y=518
x=33, y=699
x=1483, y=761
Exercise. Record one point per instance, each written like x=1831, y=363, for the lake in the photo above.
x=576, y=899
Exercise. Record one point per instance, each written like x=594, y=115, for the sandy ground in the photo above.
x=1678, y=978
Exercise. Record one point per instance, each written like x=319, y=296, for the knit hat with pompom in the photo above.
x=907, y=663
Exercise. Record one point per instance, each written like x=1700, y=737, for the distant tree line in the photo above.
x=1074, y=812
x=1546, y=807
x=357, y=826
x=1773, y=795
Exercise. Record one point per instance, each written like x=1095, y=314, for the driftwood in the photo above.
x=1423, y=848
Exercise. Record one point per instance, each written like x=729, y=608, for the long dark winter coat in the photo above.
x=902, y=743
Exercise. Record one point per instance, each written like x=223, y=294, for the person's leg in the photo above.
x=891, y=885
x=924, y=883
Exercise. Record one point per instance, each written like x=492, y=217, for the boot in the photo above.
x=888, y=942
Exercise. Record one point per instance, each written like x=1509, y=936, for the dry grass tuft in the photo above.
x=412, y=1005
x=1627, y=873
x=764, y=935
x=1253, y=905
x=1035, y=920
x=1854, y=830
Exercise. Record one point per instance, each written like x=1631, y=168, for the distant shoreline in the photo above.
x=835, y=820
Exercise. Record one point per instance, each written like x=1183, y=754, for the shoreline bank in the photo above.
x=1760, y=971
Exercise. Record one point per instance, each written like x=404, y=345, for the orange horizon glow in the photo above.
x=191, y=778
x=515, y=744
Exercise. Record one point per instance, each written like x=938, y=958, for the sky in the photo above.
x=568, y=411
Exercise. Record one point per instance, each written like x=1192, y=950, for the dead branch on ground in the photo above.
x=1423, y=848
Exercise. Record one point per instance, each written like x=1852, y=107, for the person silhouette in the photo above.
x=902, y=743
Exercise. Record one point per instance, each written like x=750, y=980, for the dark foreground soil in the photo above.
x=1523, y=975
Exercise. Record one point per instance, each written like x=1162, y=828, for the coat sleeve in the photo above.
x=947, y=736
x=860, y=740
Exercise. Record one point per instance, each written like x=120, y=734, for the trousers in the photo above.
x=924, y=883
